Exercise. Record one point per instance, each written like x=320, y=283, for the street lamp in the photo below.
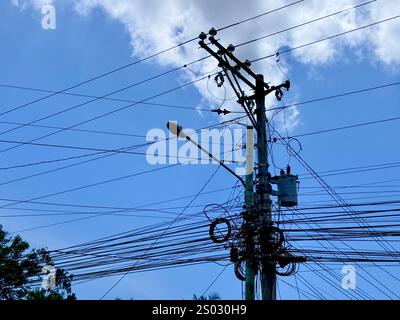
x=177, y=130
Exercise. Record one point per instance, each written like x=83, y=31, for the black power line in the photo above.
x=105, y=74
x=338, y=96
x=157, y=76
x=168, y=227
x=326, y=38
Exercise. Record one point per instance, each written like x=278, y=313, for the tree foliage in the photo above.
x=21, y=272
x=211, y=296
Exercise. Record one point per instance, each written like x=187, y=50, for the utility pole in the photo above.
x=268, y=275
x=248, y=225
x=259, y=244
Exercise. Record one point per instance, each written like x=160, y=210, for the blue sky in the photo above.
x=92, y=39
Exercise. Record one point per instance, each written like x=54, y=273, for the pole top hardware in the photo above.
x=219, y=79
x=277, y=89
x=231, y=48
x=212, y=32
x=202, y=36
x=247, y=63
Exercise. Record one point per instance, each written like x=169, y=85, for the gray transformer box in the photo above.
x=287, y=189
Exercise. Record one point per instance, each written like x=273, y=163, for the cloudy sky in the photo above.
x=93, y=37
x=153, y=26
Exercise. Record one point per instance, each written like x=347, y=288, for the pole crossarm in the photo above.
x=222, y=63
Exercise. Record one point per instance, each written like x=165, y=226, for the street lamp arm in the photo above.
x=178, y=131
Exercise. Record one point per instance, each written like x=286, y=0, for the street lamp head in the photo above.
x=176, y=129
x=287, y=85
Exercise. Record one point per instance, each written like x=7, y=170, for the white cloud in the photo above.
x=385, y=36
x=37, y=4
x=155, y=25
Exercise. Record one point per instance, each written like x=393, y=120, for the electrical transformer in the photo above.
x=287, y=188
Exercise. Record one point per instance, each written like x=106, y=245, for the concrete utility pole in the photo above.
x=268, y=275
x=248, y=226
